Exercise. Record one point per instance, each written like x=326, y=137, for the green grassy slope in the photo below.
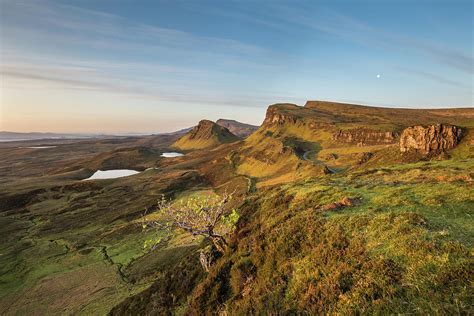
x=405, y=247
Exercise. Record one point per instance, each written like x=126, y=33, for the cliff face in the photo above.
x=430, y=139
x=363, y=136
x=280, y=114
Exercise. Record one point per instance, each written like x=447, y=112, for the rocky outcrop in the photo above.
x=279, y=115
x=363, y=157
x=363, y=136
x=432, y=138
x=330, y=156
x=345, y=202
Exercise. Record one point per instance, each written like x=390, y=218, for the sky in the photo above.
x=103, y=66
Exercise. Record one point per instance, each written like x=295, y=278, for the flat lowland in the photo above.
x=334, y=219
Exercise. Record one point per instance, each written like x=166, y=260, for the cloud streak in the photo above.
x=84, y=78
x=203, y=60
x=266, y=52
x=71, y=25
x=320, y=19
x=433, y=77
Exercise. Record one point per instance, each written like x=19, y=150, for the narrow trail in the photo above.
x=316, y=161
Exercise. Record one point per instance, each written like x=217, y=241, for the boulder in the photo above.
x=345, y=202
x=429, y=139
x=363, y=157
x=330, y=156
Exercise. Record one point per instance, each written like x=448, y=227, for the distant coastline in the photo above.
x=17, y=137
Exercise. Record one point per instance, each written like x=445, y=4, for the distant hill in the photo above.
x=237, y=128
x=205, y=135
x=179, y=132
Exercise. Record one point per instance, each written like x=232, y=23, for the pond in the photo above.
x=112, y=174
x=171, y=154
x=38, y=147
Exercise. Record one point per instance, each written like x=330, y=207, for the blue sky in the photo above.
x=154, y=66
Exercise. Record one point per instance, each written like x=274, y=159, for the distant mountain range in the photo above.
x=237, y=128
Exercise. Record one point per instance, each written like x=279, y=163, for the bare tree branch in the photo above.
x=208, y=216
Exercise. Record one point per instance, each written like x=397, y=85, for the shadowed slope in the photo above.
x=237, y=128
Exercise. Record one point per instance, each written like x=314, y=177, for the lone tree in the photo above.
x=208, y=216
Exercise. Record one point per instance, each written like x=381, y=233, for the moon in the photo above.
x=378, y=76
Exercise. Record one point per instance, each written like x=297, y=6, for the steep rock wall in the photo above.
x=363, y=136
x=430, y=138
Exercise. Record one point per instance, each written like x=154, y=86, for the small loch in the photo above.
x=171, y=154
x=112, y=174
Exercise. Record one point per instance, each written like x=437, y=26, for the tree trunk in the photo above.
x=220, y=243
x=205, y=260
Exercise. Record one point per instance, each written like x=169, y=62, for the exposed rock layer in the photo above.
x=433, y=138
x=363, y=136
x=276, y=115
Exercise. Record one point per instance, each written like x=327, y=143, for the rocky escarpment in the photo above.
x=432, y=138
x=280, y=114
x=363, y=136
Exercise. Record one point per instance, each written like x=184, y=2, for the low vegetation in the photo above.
x=316, y=224
x=390, y=253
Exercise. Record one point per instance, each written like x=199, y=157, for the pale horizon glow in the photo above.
x=93, y=67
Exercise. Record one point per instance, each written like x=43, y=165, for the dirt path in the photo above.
x=319, y=162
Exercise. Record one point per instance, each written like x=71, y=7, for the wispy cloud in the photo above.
x=318, y=18
x=87, y=78
x=150, y=70
x=62, y=46
x=71, y=25
x=433, y=77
